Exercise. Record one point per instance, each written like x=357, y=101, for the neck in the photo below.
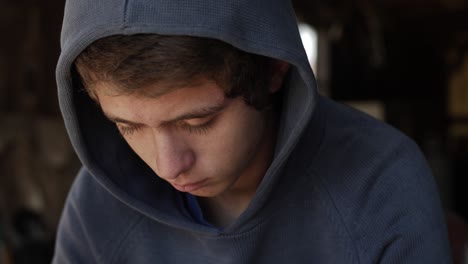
x=224, y=209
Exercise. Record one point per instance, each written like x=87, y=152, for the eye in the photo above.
x=198, y=121
x=198, y=125
x=127, y=130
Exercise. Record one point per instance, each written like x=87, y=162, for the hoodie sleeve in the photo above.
x=407, y=223
x=384, y=193
x=412, y=227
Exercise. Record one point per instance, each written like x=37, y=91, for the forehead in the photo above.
x=153, y=90
x=152, y=106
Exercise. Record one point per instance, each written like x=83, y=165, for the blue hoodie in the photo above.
x=342, y=187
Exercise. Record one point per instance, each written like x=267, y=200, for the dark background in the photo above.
x=409, y=57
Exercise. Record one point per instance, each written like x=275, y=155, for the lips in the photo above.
x=190, y=187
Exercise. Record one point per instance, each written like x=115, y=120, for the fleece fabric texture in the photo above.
x=342, y=188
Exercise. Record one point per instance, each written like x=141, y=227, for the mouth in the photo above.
x=190, y=187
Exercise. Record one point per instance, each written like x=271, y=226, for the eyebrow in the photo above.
x=197, y=113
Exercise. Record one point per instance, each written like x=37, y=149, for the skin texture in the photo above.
x=198, y=140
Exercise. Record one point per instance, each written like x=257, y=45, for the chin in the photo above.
x=204, y=194
x=207, y=192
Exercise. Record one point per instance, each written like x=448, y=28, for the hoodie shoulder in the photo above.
x=93, y=223
x=382, y=189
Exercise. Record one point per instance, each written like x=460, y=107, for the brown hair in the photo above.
x=132, y=62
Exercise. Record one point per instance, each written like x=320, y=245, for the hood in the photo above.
x=265, y=27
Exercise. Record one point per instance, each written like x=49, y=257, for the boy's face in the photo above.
x=194, y=137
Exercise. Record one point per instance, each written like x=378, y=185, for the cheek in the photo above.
x=231, y=144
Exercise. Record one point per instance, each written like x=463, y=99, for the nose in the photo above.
x=172, y=155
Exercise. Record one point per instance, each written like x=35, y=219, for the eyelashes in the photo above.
x=199, y=129
x=127, y=130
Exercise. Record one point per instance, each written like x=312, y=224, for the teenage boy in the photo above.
x=203, y=140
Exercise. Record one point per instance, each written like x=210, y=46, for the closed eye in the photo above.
x=127, y=130
x=199, y=121
x=198, y=125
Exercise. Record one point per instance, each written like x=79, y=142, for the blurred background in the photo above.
x=402, y=61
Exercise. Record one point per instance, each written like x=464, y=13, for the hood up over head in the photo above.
x=264, y=27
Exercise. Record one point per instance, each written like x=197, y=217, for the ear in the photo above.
x=280, y=68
